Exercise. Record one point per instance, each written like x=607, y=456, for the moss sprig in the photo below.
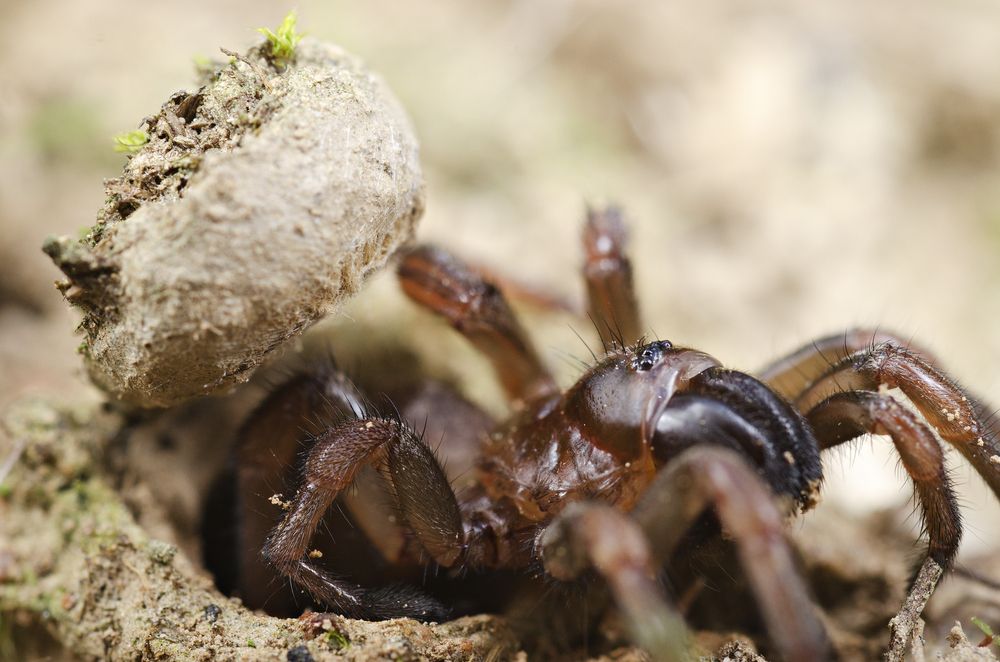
x=131, y=141
x=283, y=40
x=986, y=630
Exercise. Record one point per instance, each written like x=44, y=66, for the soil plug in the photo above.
x=246, y=211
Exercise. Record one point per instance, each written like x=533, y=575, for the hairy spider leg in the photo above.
x=478, y=310
x=760, y=437
x=846, y=416
x=955, y=415
x=589, y=535
x=792, y=374
x=423, y=497
x=721, y=480
x=267, y=445
x=611, y=299
x=716, y=407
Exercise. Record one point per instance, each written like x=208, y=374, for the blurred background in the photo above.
x=788, y=169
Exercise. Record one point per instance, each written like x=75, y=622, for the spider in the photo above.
x=609, y=478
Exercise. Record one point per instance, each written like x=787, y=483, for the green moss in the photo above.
x=985, y=629
x=131, y=141
x=336, y=640
x=82, y=492
x=251, y=643
x=283, y=40
x=205, y=68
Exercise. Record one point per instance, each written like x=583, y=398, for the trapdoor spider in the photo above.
x=609, y=477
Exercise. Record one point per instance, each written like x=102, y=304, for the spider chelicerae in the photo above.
x=653, y=449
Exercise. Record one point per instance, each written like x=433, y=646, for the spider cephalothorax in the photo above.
x=612, y=474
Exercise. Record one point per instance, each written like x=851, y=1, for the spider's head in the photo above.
x=617, y=403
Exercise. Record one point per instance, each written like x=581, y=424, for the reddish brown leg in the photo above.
x=791, y=375
x=592, y=535
x=478, y=310
x=608, y=272
x=952, y=412
x=422, y=495
x=531, y=294
x=719, y=479
x=266, y=449
x=846, y=416
x=451, y=424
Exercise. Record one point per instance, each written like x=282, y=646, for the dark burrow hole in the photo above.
x=347, y=552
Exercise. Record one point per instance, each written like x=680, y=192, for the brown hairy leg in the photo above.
x=792, y=374
x=864, y=360
x=478, y=310
x=846, y=416
x=955, y=415
x=607, y=270
x=716, y=478
x=880, y=359
x=266, y=448
x=422, y=494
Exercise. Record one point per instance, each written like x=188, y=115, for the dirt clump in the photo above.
x=254, y=206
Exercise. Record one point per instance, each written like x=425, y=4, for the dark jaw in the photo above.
x=671, y=376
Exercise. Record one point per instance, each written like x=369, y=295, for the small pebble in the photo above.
x=299, y=654
x=212, y=613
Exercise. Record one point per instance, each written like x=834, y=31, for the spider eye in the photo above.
x=649, y=355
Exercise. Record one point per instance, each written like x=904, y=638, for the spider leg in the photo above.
x=846, y=416
x=452, y=425
x=792, y=374
x=421, y=492
x=593, y=535
x=478, y=310
x=267, y=445
x=608, y=273
x=730, y=443
x=720, y=479
x=864, y=360
x=955, y=415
